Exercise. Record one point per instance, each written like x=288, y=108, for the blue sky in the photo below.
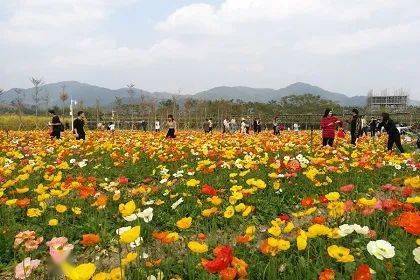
x=166, y=45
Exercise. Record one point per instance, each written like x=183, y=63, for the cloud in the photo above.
x=44, y=22
x=361, y=40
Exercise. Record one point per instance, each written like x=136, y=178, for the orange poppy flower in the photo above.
x=23, y=203
x=326, y=274
x=90, y=239
x=228, y=273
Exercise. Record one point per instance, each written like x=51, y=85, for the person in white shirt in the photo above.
x=226, y=125
x=233, y=125
x=296, y=127
x=157, y=126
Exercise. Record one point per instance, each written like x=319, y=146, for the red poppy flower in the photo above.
x=323, y=199
x=208, y=190
x=406, y=191
x=362, y=273
x=123, y=180
x=307, y=202
x=228, y=273
x=284, y=217
x=410, y=222
x=224, y=256
x=326, y=274
x=347, y=188
x=390, y=205
x=318, y=220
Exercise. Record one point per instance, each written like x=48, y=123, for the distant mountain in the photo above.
x=81, y=92
x=90, y=93
x=265, y=95
x=234, y=93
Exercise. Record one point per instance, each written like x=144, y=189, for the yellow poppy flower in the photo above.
x=130, y=235
x=197, y=247
x=184, y=223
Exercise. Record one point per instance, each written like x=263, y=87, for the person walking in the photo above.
x=157, y=126
x=171, y=123
x=372, y=127
x=393, y=133
x=78, y=126
x=328, y=124
x=56, y=126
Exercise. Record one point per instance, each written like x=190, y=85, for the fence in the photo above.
x=305, y=121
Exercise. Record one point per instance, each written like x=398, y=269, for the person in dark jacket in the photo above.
x=355, y=126
x=56, y=125
x=78, y=126
x=372, y=127
x=393, y=134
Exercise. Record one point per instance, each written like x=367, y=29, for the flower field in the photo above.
x=133, y=205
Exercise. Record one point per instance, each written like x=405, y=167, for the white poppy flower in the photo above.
x=345, y=230
x=122, y=230
x=146, y=214
x=381, y=249
x=72, y=160
x=416, y=253
x=176, y=203
x=361, y=230
x=131, y=217
x=136, y=242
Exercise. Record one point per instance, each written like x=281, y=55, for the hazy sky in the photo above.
x=347, y=46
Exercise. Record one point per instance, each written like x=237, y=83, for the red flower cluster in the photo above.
x=225, y=264
x=208, y=190
x=409, y=221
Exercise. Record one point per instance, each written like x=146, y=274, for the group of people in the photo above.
x=329, y=125
x=358, y=126
x=244, y=127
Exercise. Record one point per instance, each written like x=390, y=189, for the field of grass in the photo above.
x=134, y=205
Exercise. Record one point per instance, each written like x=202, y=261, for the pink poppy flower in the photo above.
x=24, y=269
x=59, y=249
x=389, y=187
x=347, y=188
x=348, y=205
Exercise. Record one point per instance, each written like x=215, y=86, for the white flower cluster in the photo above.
x=146, y=215
x=302, y=160
x=346, y=229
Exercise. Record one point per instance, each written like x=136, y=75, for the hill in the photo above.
x=90, y=93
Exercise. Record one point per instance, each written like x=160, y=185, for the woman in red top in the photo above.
x=328, y=125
